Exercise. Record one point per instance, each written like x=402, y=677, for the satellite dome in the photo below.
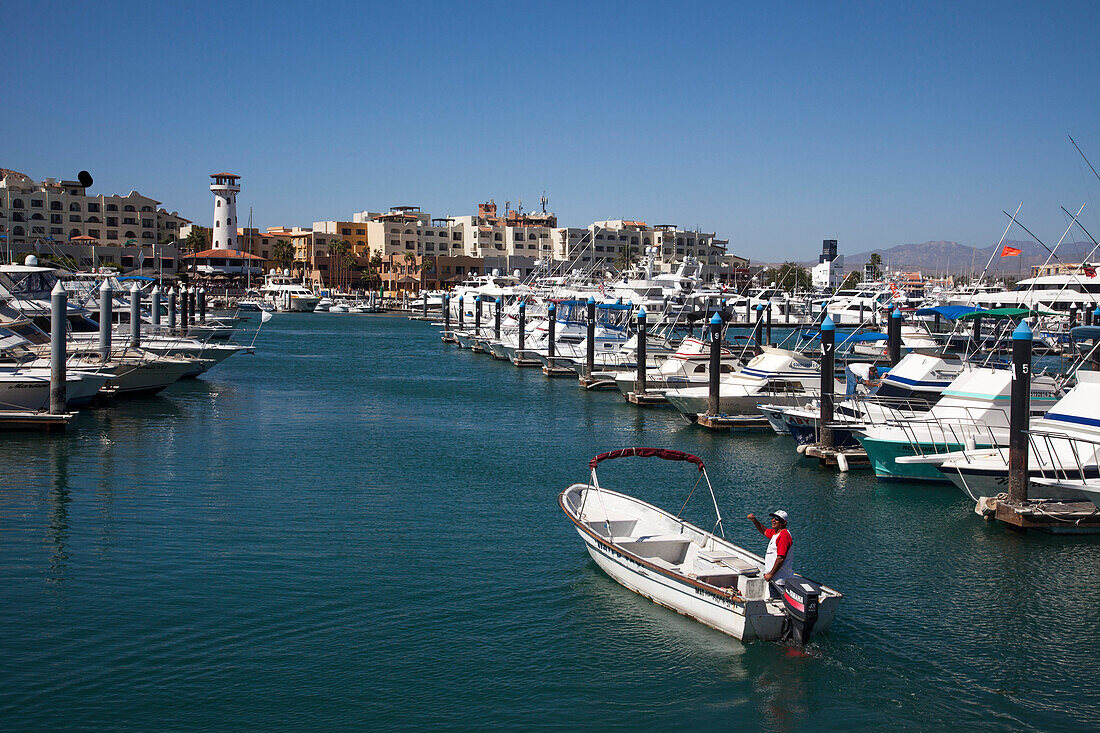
x=31, y=261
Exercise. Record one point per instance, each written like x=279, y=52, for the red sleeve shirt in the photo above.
x=782, y=543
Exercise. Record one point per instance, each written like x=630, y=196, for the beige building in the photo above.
x=90, y=229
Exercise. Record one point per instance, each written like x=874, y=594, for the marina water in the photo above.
x=358, y=527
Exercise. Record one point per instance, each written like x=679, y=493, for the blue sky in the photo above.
x=873, y=123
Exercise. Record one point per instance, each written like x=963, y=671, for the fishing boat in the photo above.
x=691, y=570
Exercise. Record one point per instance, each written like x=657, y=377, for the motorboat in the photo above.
x=693, y=571
x=688, y=366
x=775, y=376
x=972, y=412
x=323, y=305
x=286, y=294
x=1063, y=445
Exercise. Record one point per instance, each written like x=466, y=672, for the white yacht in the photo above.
x=286, y=294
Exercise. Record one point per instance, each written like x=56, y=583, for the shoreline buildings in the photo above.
x=91, y=230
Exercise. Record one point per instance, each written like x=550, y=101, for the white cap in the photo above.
x=779, y=514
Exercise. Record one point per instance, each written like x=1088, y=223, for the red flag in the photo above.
x=1089, y=271
x=1010, y=251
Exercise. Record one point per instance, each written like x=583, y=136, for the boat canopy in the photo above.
x=950, y=312
x=1005, y=313
x=666, y=453
x=1085, y=333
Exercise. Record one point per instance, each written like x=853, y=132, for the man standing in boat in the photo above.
x=777, y=561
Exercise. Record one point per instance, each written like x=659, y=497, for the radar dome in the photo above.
x=31, y=261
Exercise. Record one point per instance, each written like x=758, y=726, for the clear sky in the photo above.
x=775, y=124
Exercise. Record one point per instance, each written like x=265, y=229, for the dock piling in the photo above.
x=461, y=314
x=106, y=317
x=768, y=322
x=639, y=381
x=522, y=328
x=1018, y=415
x=551, y=325
x=58, y=308
x=201, y=297
x=714, y=378
x=590, y=342
x=477, y=316
x=192, y=304
x=135, y=316
x=496, y=320
x=893, y=337
x=446, y=318
x=171, y=310
x=154, y=310
x=828, y=363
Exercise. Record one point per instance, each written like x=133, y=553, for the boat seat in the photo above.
x=670, y=548
x=733, y=564
x=620, y=527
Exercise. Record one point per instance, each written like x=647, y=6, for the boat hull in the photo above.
x=883, y=455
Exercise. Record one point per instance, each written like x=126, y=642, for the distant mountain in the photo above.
x=955, y=258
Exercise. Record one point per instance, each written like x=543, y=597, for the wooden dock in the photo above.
x=732, y=422
x=1052, y=517
x=842, y=458
x=597, y=383
x=35, y=421
x=646, y=399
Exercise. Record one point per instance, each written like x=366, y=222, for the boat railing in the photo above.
x=941, y=434
x=1076, y=461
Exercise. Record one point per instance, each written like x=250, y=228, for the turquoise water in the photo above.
x=358, y=527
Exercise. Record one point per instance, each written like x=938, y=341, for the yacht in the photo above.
x=286, y=294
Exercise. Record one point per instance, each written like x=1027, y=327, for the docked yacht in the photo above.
x=775, y=376
x=972, y=412
x=688, y=366
x=286, y=294
x=1063, y=445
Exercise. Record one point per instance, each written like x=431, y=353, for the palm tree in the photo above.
x=283, y=253
x=196, y=240
x=337, y=253
x=627, y=257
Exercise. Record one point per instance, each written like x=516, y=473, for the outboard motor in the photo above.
x=800, y=601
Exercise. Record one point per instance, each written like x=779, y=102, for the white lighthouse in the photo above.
x=225, y=188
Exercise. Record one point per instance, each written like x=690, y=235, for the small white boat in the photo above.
x=688, y=569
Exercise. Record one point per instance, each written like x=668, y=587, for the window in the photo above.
x=127, y=207
x=74, y=206
x=93, y=207
x=130, y=234
x=345, y=231
x=219, y=203
x=519, y=236
x=36, y=217
x=360, y=232
x=112, y=234
x=112, y=221
x=127, y=260
x=408, y=245
x=36, y=203
x=55, y=206
x=634, y=240
x=93, y=220
x=112, y=207
x=146, y=208
x=16, y=216
x=429, y=246
x=646, y=241
x=149, y=235
x=17, y=203
x=149, y=222
x=129, y=220
x=74, y=217
x=74, y=232
x=457, y=237
x=55, y=230
x=496, y=237
x=93, y=233
x=679, y=241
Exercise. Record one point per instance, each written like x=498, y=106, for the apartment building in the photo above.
x=90, y=229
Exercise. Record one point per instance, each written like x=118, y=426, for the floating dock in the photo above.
x=842, y=458
x=732, y=422
x=646, y=399
x=1052, y=517
x=35, y=420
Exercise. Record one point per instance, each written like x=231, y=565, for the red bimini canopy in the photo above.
x=666, y=453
